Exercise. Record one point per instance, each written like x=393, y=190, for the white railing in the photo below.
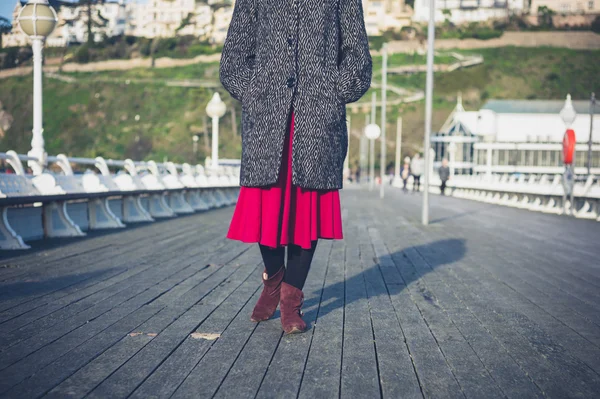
x=138, y=191
x=542, y=193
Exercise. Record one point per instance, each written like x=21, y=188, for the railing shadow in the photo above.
x=453, y=249
x=35, y=287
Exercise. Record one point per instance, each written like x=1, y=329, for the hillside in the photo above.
x=96, y=113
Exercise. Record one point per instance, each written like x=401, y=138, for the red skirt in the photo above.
x=283, y=214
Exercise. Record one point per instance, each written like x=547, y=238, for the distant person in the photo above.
x=293, y=147
x=358, y=174
x=416, y=168
x=405, y=174
x=444, y=175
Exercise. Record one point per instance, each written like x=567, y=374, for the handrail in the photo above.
x=4, y=155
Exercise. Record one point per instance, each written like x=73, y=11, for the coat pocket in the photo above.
x=332, y=76
x=250, y=92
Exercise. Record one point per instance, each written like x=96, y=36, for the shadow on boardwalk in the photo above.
x=456, y=253
x=44, y=285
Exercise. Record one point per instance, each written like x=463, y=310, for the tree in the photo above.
x=92, y=20
x=188, y=20
x=214, y=7
x=5, y=27
x=545, y=15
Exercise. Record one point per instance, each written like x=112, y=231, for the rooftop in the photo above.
x=536, y=106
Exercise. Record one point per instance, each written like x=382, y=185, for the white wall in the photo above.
x=546, y=127
x=484, y=12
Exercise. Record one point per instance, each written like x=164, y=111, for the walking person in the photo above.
x=444, y=175
x=405, y=174
x=294, y=68
x=416, y=168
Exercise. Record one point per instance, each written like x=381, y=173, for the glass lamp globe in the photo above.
x=37, y=18
x=568, y=113
x=216, y=107
x=372, y=131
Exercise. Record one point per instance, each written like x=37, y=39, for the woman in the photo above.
x=294, y=65
x=405, y=174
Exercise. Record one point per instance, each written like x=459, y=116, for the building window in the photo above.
x=591, y=4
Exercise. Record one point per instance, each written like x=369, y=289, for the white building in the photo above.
x=567, y=6
x=463, y=11
x=383, y=15
x=15, y=38
x=109, y=17
x=164, y=18
x=515, y=136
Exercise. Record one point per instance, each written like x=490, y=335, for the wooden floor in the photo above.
x=486, y=302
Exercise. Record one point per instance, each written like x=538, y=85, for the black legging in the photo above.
x=298, y=262
x=416, y=182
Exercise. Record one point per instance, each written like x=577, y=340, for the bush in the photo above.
x=8, y=57
x=375, y=42
x=596, y=25
x=82, y=55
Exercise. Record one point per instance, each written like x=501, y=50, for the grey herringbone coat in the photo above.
x=311, y=56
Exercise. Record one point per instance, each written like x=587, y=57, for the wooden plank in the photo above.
x=30, y=292
x=572, y=340
x=284, y=374
x=434, y=373
x=143, y=293
x=136, y=370
x=60, y=251
x=285, y=370
x=167, y=378
x=89, y=375
x=359, y=357
x=535, y=356
x=205, y=378
x=474, y=379
x=77, y=299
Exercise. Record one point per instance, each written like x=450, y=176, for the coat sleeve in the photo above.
x=355, y=64
x=237, y=58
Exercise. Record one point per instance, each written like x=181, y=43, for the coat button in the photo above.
x=290, y=40
x=291, y=82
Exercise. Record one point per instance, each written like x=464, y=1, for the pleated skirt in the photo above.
x=283, y=214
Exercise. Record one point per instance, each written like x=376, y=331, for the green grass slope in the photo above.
x=96, y=115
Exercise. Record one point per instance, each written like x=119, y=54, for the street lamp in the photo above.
x=215, y=109
x=37, y=20
x=452, y=155
x=372, y=132
x=398, y=149
x=383, y=118
x=428, y=109
x=590, y=142
x=195, y=139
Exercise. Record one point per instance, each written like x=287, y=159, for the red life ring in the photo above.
x=569, y=146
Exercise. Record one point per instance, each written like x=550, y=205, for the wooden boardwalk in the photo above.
x=487, y=302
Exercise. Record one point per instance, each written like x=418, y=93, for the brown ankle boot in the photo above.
x=269, y=298
x=291, y=316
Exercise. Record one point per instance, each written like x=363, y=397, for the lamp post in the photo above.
x=372, y=131
x=568, y=116
x=452, y=155
x=428, y=109
x=37, y=20
x=589, y=159
x=398, y=149
x=215, y=109
x=347, y=160
x=383, y=118
x=195, y=139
